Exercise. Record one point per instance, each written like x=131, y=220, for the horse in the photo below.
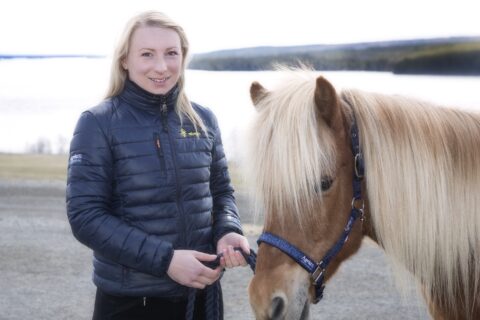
x=328, y=166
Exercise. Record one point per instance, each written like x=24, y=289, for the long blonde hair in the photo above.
x=118, y=74
x=423, y=185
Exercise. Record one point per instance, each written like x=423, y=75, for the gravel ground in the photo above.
x=46, y=273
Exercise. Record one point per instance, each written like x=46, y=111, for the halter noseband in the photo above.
x=317, y=270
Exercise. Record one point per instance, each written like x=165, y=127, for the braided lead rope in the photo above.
x=192, y=292
x=250, y=258
x=212, y=300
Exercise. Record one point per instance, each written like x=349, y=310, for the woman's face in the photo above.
x=154, y=61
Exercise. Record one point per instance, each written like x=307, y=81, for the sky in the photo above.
x=93, y=26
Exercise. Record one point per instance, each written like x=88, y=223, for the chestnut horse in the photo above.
x=419, y=199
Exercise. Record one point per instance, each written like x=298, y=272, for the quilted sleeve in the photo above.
x=89, y=204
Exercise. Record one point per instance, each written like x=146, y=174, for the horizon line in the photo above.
x=91, y=55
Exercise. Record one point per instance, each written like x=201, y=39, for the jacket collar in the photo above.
x=142, y=99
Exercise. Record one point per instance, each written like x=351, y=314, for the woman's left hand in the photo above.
x=232, y=258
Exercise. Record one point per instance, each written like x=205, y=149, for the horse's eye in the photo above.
x=325, y=184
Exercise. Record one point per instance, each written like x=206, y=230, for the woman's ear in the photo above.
x=124, y=64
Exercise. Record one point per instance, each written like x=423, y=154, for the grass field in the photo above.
x=54, y=167
x=33, y=166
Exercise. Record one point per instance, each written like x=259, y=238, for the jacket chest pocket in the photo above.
x=160, y=152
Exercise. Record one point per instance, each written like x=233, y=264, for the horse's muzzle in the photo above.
x=278, y=310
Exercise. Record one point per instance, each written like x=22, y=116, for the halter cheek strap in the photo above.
x=317, y=270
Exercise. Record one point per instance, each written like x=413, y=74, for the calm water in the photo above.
x=40, y=100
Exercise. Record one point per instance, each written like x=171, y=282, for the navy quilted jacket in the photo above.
x=141, y=184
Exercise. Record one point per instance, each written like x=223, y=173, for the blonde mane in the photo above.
x=423, y=182
x=422, y=175
x=289, y=151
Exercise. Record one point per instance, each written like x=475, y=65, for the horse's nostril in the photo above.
x=277, y=308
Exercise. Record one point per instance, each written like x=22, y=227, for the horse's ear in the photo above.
x=257, y=92
x=326, y=100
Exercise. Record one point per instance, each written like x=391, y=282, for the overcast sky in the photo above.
x=92, y=26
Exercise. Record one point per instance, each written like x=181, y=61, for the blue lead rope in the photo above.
x=212, y=302
x=250, y=258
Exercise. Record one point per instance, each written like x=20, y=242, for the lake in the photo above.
x=41, y=99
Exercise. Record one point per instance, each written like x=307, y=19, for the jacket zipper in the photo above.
x=183, y=223
x=164, y=110
x=158, y=147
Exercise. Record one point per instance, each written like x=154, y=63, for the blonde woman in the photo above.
x=148, y=186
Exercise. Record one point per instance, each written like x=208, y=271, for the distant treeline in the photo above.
x=449, y=56
x=46, y=56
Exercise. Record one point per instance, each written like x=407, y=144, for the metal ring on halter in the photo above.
x=356, y=201
x=360, y=209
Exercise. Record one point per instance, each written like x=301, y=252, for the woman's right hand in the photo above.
x=187, y=269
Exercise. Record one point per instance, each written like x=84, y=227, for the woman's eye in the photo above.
x=172, y=53
x=146, y=54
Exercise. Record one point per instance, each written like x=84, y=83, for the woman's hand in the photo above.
x=187, y=269
x=232, y=258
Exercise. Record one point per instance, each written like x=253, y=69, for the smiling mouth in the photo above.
x=159, y=80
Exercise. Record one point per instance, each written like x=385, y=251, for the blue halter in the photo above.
x=317, y=270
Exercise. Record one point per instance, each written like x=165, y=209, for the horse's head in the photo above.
x=302, y=165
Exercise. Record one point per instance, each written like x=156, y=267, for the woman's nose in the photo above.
x=160, y=64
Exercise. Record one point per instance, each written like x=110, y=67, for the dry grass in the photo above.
x=54, y=167
x=33, y=166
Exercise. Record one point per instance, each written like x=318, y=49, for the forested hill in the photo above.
x=47, y=56
x=449, y=56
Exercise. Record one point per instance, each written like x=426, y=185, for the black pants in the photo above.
x=110, y=307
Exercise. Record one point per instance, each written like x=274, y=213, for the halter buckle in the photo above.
x=358, y=165
x=317, y=275
x=317, y=282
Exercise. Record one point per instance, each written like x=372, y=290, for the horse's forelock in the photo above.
x=290, y=151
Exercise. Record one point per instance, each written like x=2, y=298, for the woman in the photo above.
x=148, y=185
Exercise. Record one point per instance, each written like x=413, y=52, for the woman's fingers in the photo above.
x=232, y=258
x=187, y=269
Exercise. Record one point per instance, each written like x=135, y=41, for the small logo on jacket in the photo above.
x=76, y=158
x=185, y=134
